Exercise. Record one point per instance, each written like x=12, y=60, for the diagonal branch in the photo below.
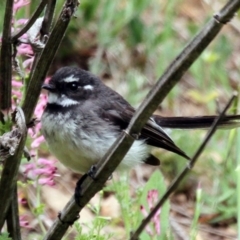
x=118, y=150
x=31, y=21
x=48, y=17
x=183, y=174
x=6, y=59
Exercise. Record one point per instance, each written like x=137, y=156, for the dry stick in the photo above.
x=187, y=169
x=6, y=59
x=10, y=169
x=30, y=22
x=113, y=157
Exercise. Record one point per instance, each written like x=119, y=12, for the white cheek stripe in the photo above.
x=70, y=79
x=62, y=100
x=88, y=87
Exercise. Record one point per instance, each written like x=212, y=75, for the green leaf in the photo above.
x=4, y=236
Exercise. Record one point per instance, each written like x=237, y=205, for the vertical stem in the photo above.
x=6, y=59
x=13, y=224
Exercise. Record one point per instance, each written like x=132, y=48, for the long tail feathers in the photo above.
x=198, y=122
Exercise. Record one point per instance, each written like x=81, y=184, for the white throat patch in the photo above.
x=61, y=100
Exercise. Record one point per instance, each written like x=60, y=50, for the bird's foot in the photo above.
x=78, y=189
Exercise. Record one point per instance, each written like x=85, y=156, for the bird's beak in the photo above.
x=48, y=87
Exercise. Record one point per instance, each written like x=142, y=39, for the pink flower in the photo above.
x=16, y=93
x=24, y=223
x=29, y=167
x=44, y=161
x=21, y=21
x=152, y=198
x=41, y=105
x=37, y=141
x=17, y=84
x=25, y=49
x=19, y=4
x=23, y=201
x=145, y=213
x=45, y=171
x=47, y=181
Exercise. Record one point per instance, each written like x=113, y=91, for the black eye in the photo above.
x=73, y=86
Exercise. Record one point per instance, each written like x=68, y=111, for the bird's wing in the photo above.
x=120, y=115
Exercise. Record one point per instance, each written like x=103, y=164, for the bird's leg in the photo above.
x=78, y=189
x=91, y=173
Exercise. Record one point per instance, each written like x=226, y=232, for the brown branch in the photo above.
x=48, y=17
x=186, y=170
x=6, y=59
x=31, y=21
x=13, y=224
x=118, y=150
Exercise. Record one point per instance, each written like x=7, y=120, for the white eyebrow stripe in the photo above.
x=88, y=87
x=70, y=79
x=62, y=100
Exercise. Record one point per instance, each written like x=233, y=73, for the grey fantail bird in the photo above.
x=83, y=118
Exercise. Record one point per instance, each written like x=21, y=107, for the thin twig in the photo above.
x=120, y=147
x=30, y=22
x=48, y=17
x=183, y=174
x=6, y=59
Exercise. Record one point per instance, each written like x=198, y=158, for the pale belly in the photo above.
x=82, y=150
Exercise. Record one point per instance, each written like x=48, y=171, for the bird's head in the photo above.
x=70, y=86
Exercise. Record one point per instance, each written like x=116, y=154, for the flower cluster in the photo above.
x=41, y=170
